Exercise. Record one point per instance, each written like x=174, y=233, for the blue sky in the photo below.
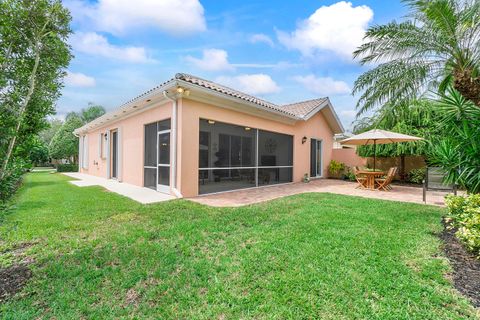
x=282, y=51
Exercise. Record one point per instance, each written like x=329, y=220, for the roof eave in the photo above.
x=126, y=110
x=337, y=123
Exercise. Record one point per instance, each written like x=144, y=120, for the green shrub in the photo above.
x=416, y=175
x=465, y=215
x=11, y=180
x=350, y=175
x=335, y=168
x=67, y=167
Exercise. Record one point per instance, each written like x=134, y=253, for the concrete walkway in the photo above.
x=255, y=195
x=139, y=194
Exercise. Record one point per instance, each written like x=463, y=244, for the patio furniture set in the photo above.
x=374, y=180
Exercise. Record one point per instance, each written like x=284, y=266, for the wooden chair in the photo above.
x=384, y=183
x=362, y=180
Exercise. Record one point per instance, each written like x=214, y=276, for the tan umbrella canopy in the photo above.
x=377, y=136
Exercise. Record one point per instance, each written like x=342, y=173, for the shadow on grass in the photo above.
x=33, y=184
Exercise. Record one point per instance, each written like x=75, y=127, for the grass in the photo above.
x=102, y=256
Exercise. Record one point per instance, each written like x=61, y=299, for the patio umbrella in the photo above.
x=377, y=136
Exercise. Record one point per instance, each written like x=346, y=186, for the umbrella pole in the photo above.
x=374, y=153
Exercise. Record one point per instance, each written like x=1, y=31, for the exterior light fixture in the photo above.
x=180, y=90
x=304, y=139
x=134, y=106
x=248, y=128
x=211, y=122
x=148, y=100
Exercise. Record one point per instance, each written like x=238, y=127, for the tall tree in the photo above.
x=92, y=112
x=64, y=144
x=47, y=134
x=439, y=45
x=33, y=56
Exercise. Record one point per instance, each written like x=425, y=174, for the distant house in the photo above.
x=339, y=137
x=191, y=136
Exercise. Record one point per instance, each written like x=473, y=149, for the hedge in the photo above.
x=67, y=167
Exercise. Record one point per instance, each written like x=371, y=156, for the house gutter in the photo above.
x=175, y=141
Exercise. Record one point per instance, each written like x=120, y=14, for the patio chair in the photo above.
x=434, y=181
x=362, y=180
x=384, y=183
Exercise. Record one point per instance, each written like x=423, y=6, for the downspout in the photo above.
x=79, y=150
x=174, y=144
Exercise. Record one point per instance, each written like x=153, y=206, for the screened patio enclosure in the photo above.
x=236, y=157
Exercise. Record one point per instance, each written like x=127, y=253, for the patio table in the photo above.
x=370, y=176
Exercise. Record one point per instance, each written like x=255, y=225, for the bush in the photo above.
x=11, y=181
x=416, y=175
x=465, y=215
x=67, y=167
x=349, y=175
x=335, y=168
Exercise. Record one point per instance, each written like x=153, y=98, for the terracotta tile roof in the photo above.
x=302, y=108
x=232, y=92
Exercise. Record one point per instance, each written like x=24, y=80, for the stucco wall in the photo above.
x=132, y=141
x=348, y=157
x=190, y=113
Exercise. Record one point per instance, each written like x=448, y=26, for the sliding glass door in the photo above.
x=156, y=169
x=316, y=161
x=235, y=157
x=114, y=155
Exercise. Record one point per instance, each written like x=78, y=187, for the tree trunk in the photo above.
x=467, y=85
x=23, y=108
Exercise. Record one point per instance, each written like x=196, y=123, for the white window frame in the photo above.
x=84, y=156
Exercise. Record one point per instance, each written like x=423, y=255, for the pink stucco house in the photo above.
x=191, y=136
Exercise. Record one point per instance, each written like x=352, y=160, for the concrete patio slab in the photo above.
x=139, y=194
x=256, y=195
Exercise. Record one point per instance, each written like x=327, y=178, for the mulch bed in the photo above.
x=466, y=268
x=12, y=280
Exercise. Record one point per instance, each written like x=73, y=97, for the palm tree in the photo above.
x=438, y=46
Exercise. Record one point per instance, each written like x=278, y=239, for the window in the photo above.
x=84, y=151
x=235, y=157
x=102, y=145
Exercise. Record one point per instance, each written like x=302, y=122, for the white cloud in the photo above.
x=79, y=80
x=339, y=27
x=323, y=86
x=96, y=44
x=177, y=17
x=255, y=84
x=261, y=38
x=212, y=60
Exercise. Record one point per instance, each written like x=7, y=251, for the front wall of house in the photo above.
x=190, y=113
x=131, y=142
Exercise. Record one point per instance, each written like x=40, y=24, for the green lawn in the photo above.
x=99, y=255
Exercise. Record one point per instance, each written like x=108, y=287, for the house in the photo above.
x=191, y=136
